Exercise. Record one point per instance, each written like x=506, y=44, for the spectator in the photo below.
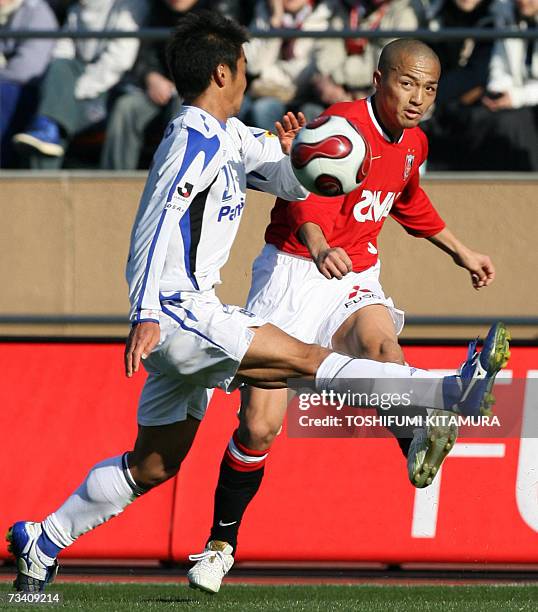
x=76, y=87
x=344, y=68
x=465, y=62
x=151, y=94
x=60, y=8
x=465, y=65
x=281, y=69
x=241, y=11
x=22, y=63
x=508, y=121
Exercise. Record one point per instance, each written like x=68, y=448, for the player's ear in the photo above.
x=219, y=75
x=376, y=79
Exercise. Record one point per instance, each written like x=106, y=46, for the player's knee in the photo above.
x=259, y=434
x=307, y=362
x=386, y=350
x=150, y=473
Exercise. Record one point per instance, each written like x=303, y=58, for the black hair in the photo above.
x=202, y=41
x=403, y=46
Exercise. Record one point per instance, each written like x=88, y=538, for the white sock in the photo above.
x=107, y=490
x=342, y=374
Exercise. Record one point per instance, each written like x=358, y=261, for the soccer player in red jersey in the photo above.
x=344, y=307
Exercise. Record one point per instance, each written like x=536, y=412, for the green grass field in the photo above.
x=238, y=598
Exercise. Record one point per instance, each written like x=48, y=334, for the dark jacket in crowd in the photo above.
x=465, y=63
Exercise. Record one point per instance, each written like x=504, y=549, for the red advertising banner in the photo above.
x=66, y=406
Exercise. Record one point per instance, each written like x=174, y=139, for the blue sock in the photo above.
x=451, y=392
x=47, y=546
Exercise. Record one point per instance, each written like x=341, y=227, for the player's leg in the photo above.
x=169, y=413
x=110, y=486
x=370, y=332
x=273, y=357
x=240, y=476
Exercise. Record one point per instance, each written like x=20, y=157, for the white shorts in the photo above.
x=290, y=292
x=202, y=344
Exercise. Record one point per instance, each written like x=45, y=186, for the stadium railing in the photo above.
x=421, y=33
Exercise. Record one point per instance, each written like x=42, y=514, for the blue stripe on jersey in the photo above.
x=185, y=227
x=196, y=142
x=191, y=329
x=175, y=298
x=148, y=265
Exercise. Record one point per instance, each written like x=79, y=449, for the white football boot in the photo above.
x=211, y=566
x=428, y=449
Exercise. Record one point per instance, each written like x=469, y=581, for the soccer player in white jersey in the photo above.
x=188, y=341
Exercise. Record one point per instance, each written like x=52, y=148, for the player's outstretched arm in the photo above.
x=143, y=338
x=332, y=262
x=480, y=266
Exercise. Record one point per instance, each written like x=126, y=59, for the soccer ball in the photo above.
x=330, y=157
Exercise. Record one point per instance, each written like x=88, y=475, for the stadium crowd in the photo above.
x=104, y=103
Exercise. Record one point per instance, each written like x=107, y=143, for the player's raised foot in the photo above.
x=470, y=393
x=478, y=372
x=34, y=568
x=428, y=449
x=211, y=566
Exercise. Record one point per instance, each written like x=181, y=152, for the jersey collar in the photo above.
x=378, y=125
x=206, y=115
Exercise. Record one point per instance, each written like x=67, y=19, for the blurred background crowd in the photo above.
x=103, y=103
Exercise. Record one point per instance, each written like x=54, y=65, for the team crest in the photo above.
x=409, y=161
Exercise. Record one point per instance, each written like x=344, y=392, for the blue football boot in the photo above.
x=35, y=569
x=478, y=372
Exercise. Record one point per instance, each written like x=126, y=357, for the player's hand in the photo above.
x=333, y=263
x=143, y=338
x=480, y=267
x=288, y=129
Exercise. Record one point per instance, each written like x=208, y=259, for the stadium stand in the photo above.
x=344, y=67
x=298, y=73
x=76, y=88
x=280, y=69
x=22, y=63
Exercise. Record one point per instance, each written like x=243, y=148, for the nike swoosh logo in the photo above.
x=221, y=524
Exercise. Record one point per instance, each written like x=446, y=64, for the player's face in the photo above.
x=406, y=92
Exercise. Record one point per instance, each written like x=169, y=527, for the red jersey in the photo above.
x=354, y=221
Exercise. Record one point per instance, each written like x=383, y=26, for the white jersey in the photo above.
x=190, y=209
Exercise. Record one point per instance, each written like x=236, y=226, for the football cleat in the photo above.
x=211, y=567
x=428, y=449
x=34, y=569
x=469, y=393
